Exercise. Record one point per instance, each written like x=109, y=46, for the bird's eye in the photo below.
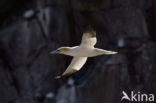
x=58, y=50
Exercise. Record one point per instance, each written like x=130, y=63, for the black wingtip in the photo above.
x=88, y=28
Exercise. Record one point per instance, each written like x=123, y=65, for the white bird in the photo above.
x=82, y=52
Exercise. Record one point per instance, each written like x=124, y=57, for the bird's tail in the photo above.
x=109, y=52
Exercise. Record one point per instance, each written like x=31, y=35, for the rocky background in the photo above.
x=30, y=29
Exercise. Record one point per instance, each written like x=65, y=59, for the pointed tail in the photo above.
x=109, y=52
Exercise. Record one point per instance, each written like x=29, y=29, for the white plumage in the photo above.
x=80, y=53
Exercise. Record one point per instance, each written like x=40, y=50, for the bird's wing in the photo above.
x=76, y=64
x=88, y=38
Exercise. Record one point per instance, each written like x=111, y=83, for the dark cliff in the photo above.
x=29, y=30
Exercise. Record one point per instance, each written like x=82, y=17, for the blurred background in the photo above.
x=30, y=29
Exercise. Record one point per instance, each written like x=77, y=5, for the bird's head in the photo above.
x=61, y=50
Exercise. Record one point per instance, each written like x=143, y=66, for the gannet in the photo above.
x=82, y=52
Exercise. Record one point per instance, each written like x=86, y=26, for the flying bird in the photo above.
x=82, y=52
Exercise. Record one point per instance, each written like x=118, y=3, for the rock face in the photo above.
x=27, y=70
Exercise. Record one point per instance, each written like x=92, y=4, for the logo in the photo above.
x=137, y=96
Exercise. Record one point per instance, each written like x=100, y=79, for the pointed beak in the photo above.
x=54, y=52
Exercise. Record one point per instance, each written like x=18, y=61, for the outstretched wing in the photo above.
x=76, y=64
x=88, y=38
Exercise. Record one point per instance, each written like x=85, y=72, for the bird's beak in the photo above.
x=54, y=52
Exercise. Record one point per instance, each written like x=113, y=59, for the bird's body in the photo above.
x=78, y=51
x=82, y=52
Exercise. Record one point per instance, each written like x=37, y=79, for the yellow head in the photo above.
x=61, y=50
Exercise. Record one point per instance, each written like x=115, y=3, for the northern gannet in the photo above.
x=82, y=52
